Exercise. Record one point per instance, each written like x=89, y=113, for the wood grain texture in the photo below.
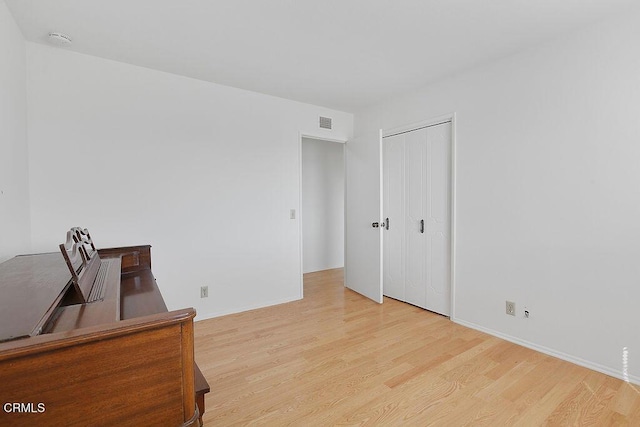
x=90, y=367
x=337, y=358
x=134, y=258
x=127, y=373
x=32, y=286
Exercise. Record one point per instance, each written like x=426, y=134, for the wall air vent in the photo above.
x=325, y=122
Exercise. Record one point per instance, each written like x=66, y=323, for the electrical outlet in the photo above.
x=204, y=292
x=511, y=308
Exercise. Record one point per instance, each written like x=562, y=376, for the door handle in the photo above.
x=422, y=225
x=375, y=225
x=386, y=225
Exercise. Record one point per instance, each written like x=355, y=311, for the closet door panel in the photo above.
x=415, y=162
x=438, y=224
x=417, y=188
x=438, y=294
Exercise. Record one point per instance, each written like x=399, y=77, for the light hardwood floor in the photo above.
x=337, y=358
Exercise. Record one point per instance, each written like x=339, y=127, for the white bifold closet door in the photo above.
x=416, y=206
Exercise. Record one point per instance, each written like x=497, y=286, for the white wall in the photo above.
x=322, y=205
x=548, y=192
x=205, y=173
x=14, y=186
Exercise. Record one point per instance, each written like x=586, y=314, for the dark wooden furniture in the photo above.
x=120, y=360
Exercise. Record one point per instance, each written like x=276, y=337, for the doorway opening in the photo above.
x=322, y=207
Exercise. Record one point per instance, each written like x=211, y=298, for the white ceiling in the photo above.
x=342, y=54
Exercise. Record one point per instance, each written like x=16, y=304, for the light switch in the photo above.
x=292, y=214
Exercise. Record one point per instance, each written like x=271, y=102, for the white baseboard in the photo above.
x=551, y=352
x=200, y=316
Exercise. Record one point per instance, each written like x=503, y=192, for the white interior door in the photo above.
x=417, y=200
x=394, y=213
x=363, y=251
x=438, y=221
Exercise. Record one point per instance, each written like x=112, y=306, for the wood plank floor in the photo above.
x=337, y=358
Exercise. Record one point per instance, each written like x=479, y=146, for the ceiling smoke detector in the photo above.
x=59, y=39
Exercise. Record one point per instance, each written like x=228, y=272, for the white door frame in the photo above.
x=318, y=137
x=451, y=117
